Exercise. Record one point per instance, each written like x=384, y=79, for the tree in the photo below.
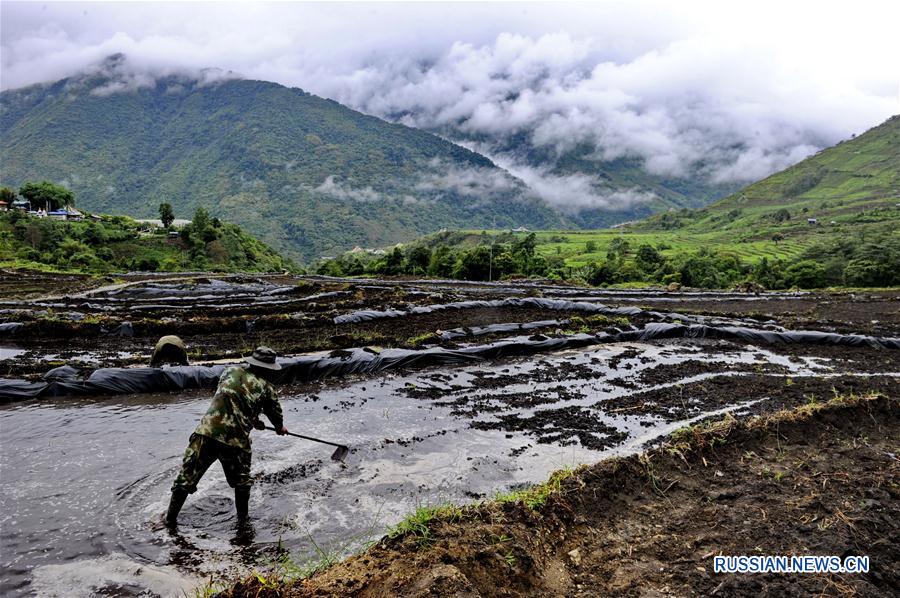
x=217, y=252
x=590, y=246
x=7, y=194
x=166, y=214
x=524, y=252
x=648, y=258
x=474, y=264
x=602, y=274
x=330, y=268
x=442, y=262
x=94, y=234
x=201, y=230
x=805, y=274
x=417, y=259
x=353, y=266
x=394, y=261
x=200, y=220
x=781, y=215
x=617, y=248
x=47, y=194
x=504, y=264
x=526, y=246
x=34, y=235
x=866, y=273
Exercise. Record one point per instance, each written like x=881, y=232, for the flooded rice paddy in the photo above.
x=85, y=480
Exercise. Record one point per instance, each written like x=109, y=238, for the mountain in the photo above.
x=305, y=174
x=830, y=220
x=631, y=191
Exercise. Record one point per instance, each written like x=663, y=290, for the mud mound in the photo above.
x=820, y=479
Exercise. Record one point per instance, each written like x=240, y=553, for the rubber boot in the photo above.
x=175, y=504
x=242, y=503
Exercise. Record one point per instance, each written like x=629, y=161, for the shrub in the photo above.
x=806, y=274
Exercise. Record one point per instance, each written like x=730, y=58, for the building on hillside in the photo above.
x=21, y=204
x=3, y=206
x=812, y=221
x=66, y=213
x=520, y=229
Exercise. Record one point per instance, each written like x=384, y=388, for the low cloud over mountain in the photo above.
x=704, y=92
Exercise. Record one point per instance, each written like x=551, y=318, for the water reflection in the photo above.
x=85, y=480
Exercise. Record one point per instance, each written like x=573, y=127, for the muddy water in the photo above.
x=84, y=481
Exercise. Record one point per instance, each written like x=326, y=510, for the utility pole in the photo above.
x=491, y=258
x=491, y=262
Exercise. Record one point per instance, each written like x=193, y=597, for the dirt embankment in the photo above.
x=820, y=479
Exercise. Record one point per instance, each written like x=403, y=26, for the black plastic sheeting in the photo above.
x=205, y=289
x=506, y=327
x=538, y=303
x=64, y=381
x=752, y=335
x=535, y=302
x=125, y=329
x=10, y=328
x=350, y=361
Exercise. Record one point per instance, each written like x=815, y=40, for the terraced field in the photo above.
x=573, y=245
x=445, y=391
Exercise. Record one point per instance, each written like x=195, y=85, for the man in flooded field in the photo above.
x=224, y=432
x=169, y=350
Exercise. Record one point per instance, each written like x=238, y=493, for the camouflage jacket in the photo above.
x=238, y=402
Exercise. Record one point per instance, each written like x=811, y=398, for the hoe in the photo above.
x=339, y=453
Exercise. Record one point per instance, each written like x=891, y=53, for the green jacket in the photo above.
x=238, y=402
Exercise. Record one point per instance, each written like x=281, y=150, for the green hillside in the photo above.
x=762, y=234
x=119, y=244
x=304, y=174
x=855, y=182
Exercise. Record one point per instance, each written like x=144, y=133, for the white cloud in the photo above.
x=573, y=192
x=731, y=114
x=467, y=181
x=725, y=90
x=343, y=191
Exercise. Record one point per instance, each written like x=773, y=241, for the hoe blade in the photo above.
x=340, y=453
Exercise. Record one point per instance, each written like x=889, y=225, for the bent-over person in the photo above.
x=224, y=432
x=169, y=350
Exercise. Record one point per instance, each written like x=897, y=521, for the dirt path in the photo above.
x=821, y=480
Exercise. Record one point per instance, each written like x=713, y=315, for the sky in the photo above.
x=730, y=91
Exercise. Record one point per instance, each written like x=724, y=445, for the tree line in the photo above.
x=872, y=261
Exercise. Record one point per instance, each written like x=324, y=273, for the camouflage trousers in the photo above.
x=201, y=452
